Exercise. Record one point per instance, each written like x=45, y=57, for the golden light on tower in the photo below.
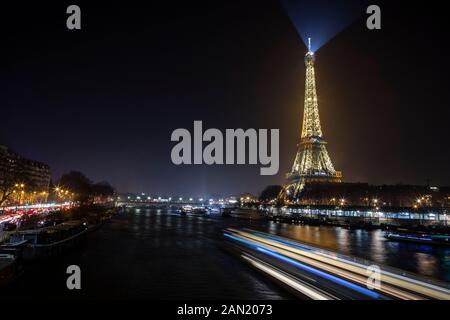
x=312, y=162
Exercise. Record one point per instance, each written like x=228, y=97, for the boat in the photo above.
x=185, y=210
x=188, y=209
x=422, y=238
x=47, y=242
x=199, y=210
x=226, y=212
x=213, y=210
x=10, y=267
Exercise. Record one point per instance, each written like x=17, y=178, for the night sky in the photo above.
x=104, y=100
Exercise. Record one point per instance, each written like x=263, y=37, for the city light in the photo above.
x=213, y=110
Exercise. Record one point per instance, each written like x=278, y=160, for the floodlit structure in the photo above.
x=312, y=162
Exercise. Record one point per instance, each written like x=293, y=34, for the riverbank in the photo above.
x=42, y=237
x=360, y=218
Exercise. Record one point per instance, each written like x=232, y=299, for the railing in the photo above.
x=439, y=217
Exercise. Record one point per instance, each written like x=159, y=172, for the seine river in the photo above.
x=155, y=254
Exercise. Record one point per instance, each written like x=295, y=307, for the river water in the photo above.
x=155, y=254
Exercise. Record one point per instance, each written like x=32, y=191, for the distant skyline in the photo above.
x=104, y=100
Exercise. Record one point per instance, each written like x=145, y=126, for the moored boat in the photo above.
x=226, y=212
x=10, y=267
x=47, y=242
x=185, y=210
x=422, y=238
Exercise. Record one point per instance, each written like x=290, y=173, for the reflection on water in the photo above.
x=431, y=261
x=154, y=254
x=150, y=254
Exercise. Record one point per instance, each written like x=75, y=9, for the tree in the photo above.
x=12, y=180
x=83, y=188
x=270, y=193
x=77, y=183
x=8, y=179
x=102, y=189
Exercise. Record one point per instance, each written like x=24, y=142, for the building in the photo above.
x=312, y=162
x=376, y=196
x=17, y=171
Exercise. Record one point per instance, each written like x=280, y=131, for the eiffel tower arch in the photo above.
x=312, y=162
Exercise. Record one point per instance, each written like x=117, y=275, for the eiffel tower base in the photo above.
x=291, y=191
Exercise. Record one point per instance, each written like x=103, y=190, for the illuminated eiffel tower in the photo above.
x=312, y=162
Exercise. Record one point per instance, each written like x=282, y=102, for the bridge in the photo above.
x=162, y=204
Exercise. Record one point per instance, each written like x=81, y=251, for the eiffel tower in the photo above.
x=312, y=162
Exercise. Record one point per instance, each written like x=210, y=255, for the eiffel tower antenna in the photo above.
x=312, y=162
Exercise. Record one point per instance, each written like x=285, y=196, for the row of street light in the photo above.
x=21, y=196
